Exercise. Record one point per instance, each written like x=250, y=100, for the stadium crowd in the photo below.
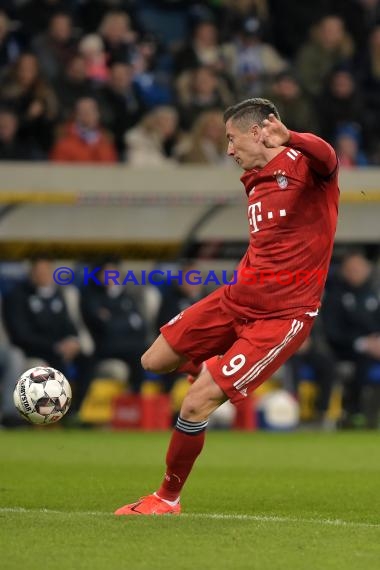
x=145, y=82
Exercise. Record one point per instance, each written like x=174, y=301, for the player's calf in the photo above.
x=203, y=398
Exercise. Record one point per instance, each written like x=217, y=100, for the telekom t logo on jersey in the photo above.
x=255, y=215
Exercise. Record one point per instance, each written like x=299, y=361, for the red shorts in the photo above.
x=250, y=351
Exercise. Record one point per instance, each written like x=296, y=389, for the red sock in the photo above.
x=185, y=446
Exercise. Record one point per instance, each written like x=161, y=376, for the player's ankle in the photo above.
x=170, y=502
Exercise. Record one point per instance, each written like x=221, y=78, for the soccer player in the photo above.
x=245, y=331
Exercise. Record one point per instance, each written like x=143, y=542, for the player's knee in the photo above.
x=148, y=362
x=160, y=357
x=153, y=362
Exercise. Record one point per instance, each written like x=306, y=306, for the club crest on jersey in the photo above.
x=282, y=181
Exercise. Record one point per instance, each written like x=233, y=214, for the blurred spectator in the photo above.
x=200, y=90
x=296, y=108
x=347, y=146
x=170, y=20
x=236, y=12
x=369, y=74
x=328, y=46
x=360, y=17
x=340, y=104
x=120, y=103
x=32, y=98
x=11, y=147
x=151, y=142
x=10, y=44
x=352, y=322
x=236, y=49
x=37, y=320
x=314, y=361
x=92, y=12
x=206, y=143
x=251, y=62
x=115, y=322
x=91, y=47
x=291, y=21
x=73, y=85
x=12, y=365
x=35, y=15
x=152, y=77
x=84, y=140
x=55, y=47
x=118, y=37
x=202, y=49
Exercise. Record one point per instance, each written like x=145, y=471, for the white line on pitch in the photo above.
x=216, y=516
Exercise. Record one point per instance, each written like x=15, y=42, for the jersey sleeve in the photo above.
x=322, y=157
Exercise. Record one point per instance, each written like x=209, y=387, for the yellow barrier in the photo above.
x=16, y=250
x=123, y=198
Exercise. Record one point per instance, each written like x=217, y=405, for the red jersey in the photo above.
x=292, y=216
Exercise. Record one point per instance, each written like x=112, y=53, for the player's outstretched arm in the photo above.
x=321, y=155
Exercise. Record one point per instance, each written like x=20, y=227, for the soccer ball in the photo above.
x=42, y=395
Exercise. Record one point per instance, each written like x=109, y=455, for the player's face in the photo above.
x=243, y=146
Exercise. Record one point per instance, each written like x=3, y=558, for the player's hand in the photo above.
x=274, y=133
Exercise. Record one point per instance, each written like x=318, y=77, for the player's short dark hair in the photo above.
x=251, y=111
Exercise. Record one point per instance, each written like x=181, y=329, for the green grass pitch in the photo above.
x=265, y=501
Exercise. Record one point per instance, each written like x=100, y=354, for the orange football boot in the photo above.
x=149, y=505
